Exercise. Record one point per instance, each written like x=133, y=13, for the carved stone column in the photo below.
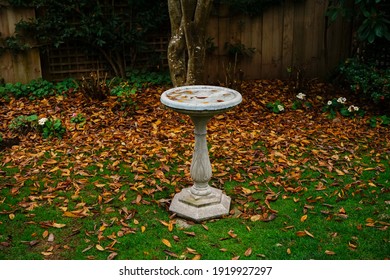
x=200, y=202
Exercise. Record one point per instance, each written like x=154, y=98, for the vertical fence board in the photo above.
x=292, y=34
x=288, y=32
x=20, y=66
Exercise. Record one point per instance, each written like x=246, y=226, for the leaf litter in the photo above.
x=247, y=145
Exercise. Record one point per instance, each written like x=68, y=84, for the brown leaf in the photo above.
x=303, y=218
x=169, y=253
x=309, y=234
x=51, y=237
x=328, y=252
x=112, y=256
x=248, y=252
x=55, y=225
x=99, y=247
x=166, y=242
x=232, y=234
x=88, y=248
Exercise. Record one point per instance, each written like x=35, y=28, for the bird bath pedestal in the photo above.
x=201, y=103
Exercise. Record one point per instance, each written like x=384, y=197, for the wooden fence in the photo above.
x=292, y=35
x=19, y=66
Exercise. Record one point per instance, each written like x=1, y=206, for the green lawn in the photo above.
x=302, y=186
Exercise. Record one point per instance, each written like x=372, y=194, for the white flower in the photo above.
x=353, y=108
x=329, y=102
x=42, y=121
x=341, y=100
x=301, y=96
x=280, y=108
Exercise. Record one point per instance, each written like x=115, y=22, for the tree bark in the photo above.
x=187, y=47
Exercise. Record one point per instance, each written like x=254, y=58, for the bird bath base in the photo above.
x=199, y=208
x=200, y=202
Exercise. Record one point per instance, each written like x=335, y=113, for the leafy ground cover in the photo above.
x=303, y=185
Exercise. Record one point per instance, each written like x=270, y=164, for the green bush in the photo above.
x=24, y=124
x=51, y=128
x=338, y=105
x=38, y=88
x=143, y=78
x=379, y=121
x=47, y=126
x=276, y=107
x=367, y=81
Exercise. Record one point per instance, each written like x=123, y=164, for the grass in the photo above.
x=302, y=186
x=345, y=219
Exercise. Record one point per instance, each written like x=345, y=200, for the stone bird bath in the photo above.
x=200, y=202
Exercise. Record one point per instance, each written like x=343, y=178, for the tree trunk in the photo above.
x=187, y=47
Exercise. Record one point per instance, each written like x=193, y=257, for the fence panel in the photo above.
x=17, y=66
x=292, y=35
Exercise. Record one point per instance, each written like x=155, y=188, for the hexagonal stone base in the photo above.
x=200, y=208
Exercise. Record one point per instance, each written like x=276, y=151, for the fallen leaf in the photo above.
x=166, y=243
x=169, y=253
x=51, y=237
x=309, y=234
x=55, y=225
x=303, y=218
x=99, y=247
x=191, y=251
x=86, y=249
x=232, y=234
x=248, y=252
x=330, y=252
x=112, y=256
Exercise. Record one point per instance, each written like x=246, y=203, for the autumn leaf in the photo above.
x=328, y=252
x=112, y=256
x=99, y=247
x=172, y=254
x=55, y=225
x=166, y=243
x=51, y=237
x=232, y=234
x=309, y=234
x=248, y=252
x=303, y=218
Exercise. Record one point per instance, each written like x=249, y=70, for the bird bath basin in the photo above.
x=200, y=202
